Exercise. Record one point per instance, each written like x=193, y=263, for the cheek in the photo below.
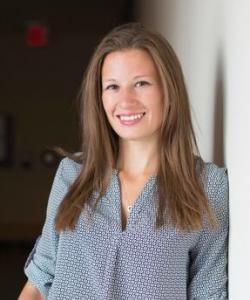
x=105, y=104
x=157, y=104
x=108, y=108
x=104, y=107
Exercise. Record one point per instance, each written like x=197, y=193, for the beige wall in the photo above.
x=237, y=94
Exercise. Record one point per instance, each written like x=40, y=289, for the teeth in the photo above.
x=131, y=117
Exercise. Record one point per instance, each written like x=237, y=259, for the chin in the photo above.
x=131, y=137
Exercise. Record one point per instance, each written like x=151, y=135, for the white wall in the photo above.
x=212, y=41
x=237, y=92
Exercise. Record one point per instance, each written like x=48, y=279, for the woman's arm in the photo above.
x=30, y=292
x=40, y=265
x=209, y=258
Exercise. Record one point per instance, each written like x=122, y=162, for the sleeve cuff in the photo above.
x=40, y=279
x=222, y=295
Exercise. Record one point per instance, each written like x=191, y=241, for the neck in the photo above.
x=136, y=158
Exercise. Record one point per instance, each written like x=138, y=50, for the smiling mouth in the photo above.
x=131, y=117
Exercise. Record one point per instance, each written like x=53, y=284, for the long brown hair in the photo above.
x=180, y=182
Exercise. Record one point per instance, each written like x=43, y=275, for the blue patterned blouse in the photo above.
x=105, y=262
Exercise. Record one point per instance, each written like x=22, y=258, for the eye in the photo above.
x=112, y=87
x=141, y=83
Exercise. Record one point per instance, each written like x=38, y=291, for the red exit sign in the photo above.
x=37, y=35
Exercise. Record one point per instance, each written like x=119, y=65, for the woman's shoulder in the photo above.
x=214, y=173
x=217, y=188
x=68, y=170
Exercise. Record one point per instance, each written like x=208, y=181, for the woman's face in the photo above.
x=132, y=94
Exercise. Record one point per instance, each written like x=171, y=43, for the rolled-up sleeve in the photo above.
x=40, y=265
x=208, y=271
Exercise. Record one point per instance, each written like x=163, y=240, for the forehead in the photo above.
x=128, y=61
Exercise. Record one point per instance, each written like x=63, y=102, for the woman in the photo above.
x=137, y=214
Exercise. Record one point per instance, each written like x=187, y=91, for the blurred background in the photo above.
x=45, y=48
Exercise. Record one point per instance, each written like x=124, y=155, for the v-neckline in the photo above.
x=138, y=202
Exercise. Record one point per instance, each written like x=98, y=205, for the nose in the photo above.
x=127, y=97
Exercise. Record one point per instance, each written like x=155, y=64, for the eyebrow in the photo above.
x=136, y=77
x=111, y=79
x=139, y=76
